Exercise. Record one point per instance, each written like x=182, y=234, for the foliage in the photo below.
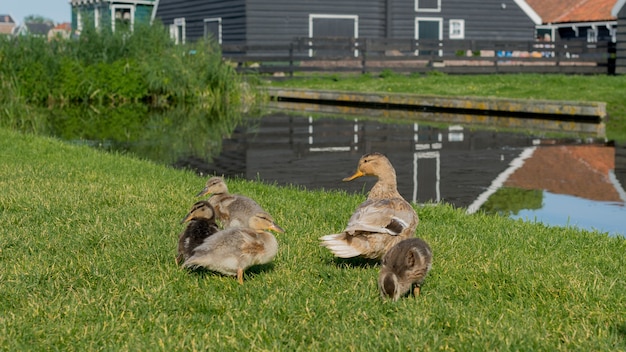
x=87, y=252
x=508, y=200
x=38, y=19
x=104, y=67
x=15, y=113
x=183, y=131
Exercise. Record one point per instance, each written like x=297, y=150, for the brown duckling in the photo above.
x=201, y=225
x=233, y=250
x=231, y=210
x=404, y=266
x=380, y=222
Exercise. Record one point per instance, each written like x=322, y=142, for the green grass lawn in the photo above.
x=88, y=241
x=609, y=89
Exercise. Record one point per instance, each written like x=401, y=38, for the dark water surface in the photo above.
x=558, y=181
x=503, y=172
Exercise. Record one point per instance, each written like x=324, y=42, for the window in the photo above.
x=177, y=30
x=337, y=26
x=213, y=29
x=96, y=17
x=428, y=5
x=592, y=35
x=122, y=17
x=428, y=32
x=79, y=21
x=457, y=29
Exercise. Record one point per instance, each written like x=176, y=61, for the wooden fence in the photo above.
x=358, y=55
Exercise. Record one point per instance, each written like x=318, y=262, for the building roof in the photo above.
x=4, y=18
x=65, y=26
x=581, y=171
x=573, y=11
x=7, y=24
x=38, y=28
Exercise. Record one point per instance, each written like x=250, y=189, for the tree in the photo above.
x=38, y=19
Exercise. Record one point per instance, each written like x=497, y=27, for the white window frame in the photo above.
x=355, y=18
x=79, y=20
x=592, y=34
x=430, y=19
x=96, y=17
x=219, y=27
x=418, y=9
x=123, y=7
x=461, y=27
x=178, y=22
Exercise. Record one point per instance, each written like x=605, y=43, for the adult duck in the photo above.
x=233, y=250
x=381, y=221
x=231, y=210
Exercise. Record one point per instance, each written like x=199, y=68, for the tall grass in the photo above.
x=87, y=248
x=104, y=67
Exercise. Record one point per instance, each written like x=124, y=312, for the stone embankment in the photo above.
x=564, y=116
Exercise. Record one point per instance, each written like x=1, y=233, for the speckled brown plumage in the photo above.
x=231, y=210
x=201, y=225
x=231, y=251
x=404, y=266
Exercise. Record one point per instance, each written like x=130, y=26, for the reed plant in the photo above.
x=88, y=241
x=103, y=67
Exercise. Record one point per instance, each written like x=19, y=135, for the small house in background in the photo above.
x=36, y=29
x=113, y=14
x=267, y=22
x=619, y=11
x=7, y=25
x=587, y=20
x=60, y=31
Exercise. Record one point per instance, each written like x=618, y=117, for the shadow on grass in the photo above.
x=355, y=263
x=621, y=331
x=258, y=269
x=250, y=272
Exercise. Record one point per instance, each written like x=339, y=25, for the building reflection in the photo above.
x=433, y=164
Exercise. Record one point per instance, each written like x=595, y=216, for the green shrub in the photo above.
x=118, y=67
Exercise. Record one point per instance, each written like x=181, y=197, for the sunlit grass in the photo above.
x=87, y=248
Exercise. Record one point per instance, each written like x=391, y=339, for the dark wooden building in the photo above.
x=263, y=22
x=619, y=11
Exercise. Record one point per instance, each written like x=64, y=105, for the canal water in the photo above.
x=557, y=181
x=569, y=181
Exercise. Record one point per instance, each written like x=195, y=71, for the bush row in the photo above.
x=101, y=66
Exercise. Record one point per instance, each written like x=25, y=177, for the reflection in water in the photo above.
x=163, y=136
x=499, y=172
x=566, y=210
x=453, y=164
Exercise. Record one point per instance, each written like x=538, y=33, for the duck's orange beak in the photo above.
x=187, y=217
x=357, y=174
x=277, y=228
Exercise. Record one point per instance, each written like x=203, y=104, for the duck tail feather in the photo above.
x=338, y=246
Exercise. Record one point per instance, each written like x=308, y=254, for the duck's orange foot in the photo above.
x=240, y=276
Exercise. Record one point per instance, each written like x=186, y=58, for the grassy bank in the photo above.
x=609, y=89
x=87, y=263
